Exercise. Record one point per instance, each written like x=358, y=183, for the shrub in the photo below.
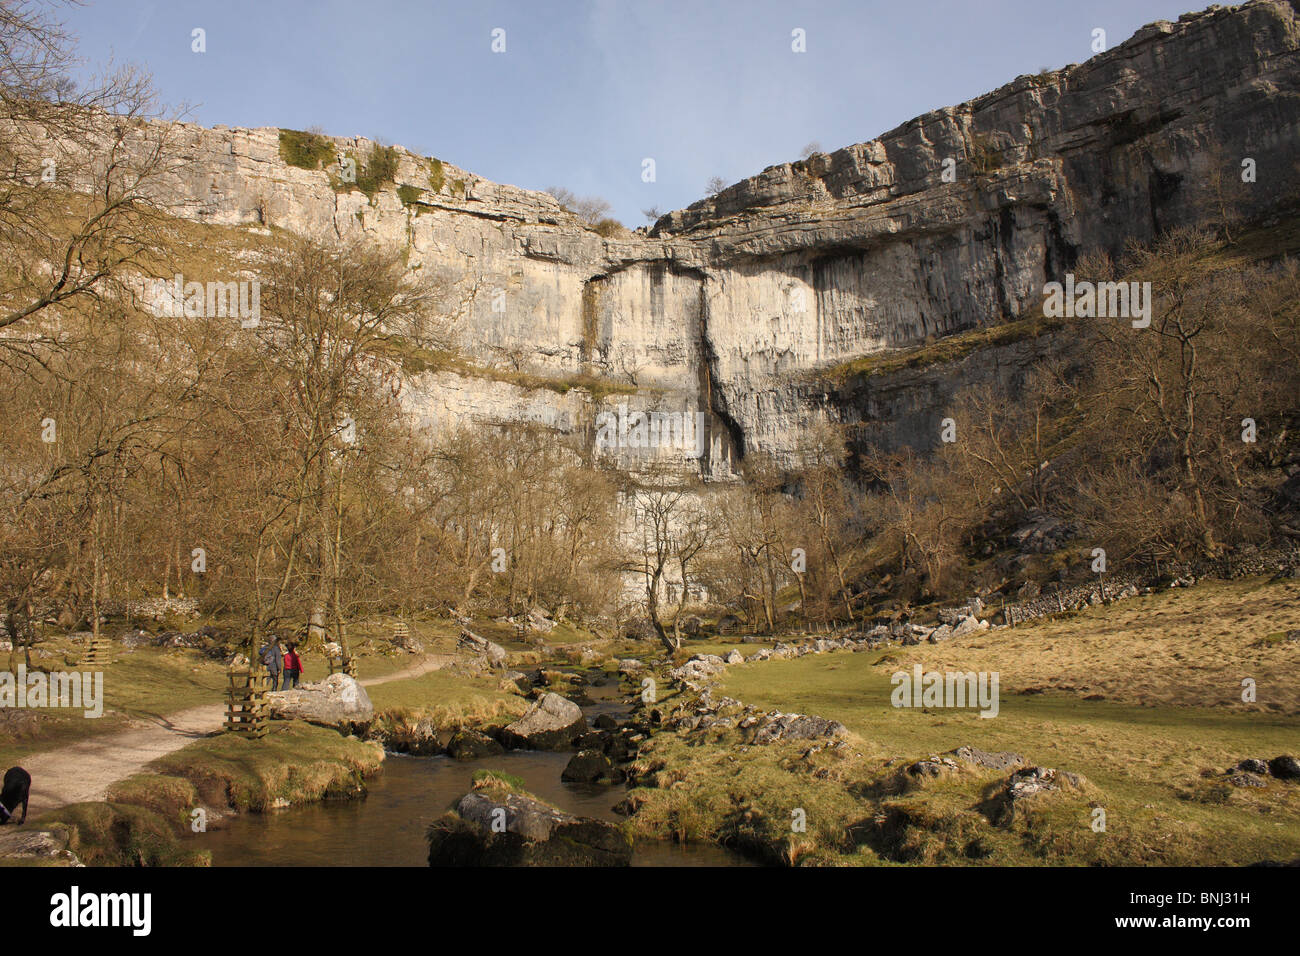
x=609, y=228
x=305, y=150
x=380, y=168
x=984, y=158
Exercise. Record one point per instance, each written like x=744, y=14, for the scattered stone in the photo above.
x=698, y=668
x=798, y=727
x=1246, y=779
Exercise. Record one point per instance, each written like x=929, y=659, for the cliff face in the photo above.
x=730, y=306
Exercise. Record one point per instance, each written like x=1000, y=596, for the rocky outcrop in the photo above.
x=337, y=700
x=734, y=307
x=495, y=828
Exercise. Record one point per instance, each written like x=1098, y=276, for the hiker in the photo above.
x=270, y=654
x=292, y=666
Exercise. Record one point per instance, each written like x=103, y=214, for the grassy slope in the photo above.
x=1152, y=751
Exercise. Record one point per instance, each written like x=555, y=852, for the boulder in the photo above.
x=539, y=620
x=1002, y=760
x=472, y=744
x=587, y=766
x=940, y=634
x=734, y=657
x=534, y=834
x=338, y=699
x=1285, y=768
x=969, y=625
x=551, y=723
x=493, y=654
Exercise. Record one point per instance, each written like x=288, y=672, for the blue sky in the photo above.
x=588, y=88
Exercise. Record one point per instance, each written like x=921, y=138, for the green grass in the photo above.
x=498, y=780
x=445, y=689
x=294, y=763
x=1151, y=757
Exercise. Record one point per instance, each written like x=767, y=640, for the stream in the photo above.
x=386, y=827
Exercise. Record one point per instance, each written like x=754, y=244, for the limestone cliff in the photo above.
x=732, y=305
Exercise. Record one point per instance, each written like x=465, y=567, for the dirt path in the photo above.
x=84, y=771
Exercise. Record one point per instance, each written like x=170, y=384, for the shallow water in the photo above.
x=387, y=827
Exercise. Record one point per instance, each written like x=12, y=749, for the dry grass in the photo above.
x=1187, y=649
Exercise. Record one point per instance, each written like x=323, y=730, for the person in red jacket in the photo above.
x=292, y=666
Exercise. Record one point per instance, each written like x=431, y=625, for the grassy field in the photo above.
x=142, y=684
x=452, y=693
x=1153, y=751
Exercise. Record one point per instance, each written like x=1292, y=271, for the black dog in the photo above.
x=17, y=788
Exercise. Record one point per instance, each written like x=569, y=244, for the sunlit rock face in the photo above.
x=729, y=308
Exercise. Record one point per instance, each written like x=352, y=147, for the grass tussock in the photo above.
x=122, y=834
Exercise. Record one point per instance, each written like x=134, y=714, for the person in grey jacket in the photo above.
x=270, y=654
